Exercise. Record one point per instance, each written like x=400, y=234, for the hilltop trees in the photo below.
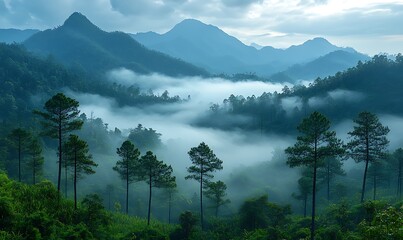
x=128, y=166
x=204, y=162
x=368, y=142
x=315, y=143
x=156, y=174
x=77, y=156
x=60, y=117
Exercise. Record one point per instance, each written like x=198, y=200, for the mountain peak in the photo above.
x=79, y=21
x=318, y=41
x=193, y=25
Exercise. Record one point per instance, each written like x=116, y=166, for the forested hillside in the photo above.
x=375, y=86
x=27, y=80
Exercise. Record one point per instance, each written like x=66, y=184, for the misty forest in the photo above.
x=193, y=135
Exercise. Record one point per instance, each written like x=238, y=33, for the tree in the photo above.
x=36, y=160
x=216, y=192
x=204, y=163
x=315, y=143
x=368, y=142
x=20, y=139
x=305, y=189
x=156, y=174
x=60, y=117
x=128, y=166
x=171, y=189
x=77, y=156
x=398, y=157
x=332, y=168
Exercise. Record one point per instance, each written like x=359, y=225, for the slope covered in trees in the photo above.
x=374, y=86
x=27, y=80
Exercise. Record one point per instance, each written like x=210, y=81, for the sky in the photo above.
x=369, y=26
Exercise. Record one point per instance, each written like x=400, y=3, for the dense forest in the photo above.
x=68, y=175
x=374, y=86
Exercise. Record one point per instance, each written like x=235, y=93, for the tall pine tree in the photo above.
x=368, y=142
x=204, y=163
x=59, y=118
x=314, y=144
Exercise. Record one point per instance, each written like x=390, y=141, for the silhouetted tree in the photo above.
x=332, y=167
x=36, y=159
x=156, y=174
x=128, y=166
x=20, y=139
x=368, y=142
x=315, y=143
x=204, y=163
x=77, y=156
x=61, y=116
x=305, y=189
x=216, y=192
x=171, y=189
x=398, y=157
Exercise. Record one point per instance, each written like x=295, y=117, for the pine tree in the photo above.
x=60, y=117
x=79, y=159
x=128, y=166
x=215, y=191
x=156, y=174
x=20, y=139
x=368, y=142
x=204, y=163
x=36, y=159
x=315, y=143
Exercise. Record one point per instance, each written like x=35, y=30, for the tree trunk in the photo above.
x=60, y=153
x=314, y=193
x=19, y=158
x=75, y=179
x=328, y=180
x=169, y=207
x=374, y=197
x=65, y=178
x=399, y=179
x=366, y=168
x=149, y=202
x=33, y=169
x=305, y=203
x=201, y=197
x=127, y=189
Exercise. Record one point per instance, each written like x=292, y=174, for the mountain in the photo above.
x=15, y=35
x=79, y=42
x=321, y=67
x=210, y=47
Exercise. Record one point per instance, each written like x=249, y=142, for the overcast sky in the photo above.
x=370, y=26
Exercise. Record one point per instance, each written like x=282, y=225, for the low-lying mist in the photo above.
x=245, y=154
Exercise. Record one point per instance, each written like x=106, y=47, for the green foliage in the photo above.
x=145, y=138
x=259, y=213
x=387, y=224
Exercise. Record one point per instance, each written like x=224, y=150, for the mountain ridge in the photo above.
x=79, y=41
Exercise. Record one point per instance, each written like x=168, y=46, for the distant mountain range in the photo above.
x=80, y=42
x=16, y=35
x=213, y=49
x=187, y=49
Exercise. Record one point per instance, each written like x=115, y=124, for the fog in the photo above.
x=175, y=121
x=245, y=154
